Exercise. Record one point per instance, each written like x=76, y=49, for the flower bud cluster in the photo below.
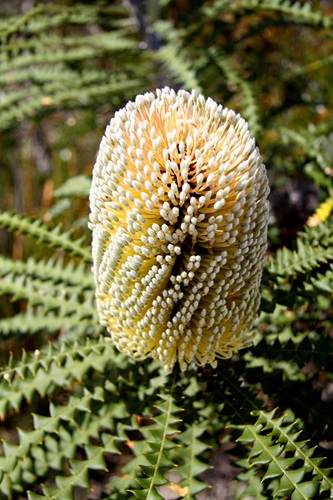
x=179, y=217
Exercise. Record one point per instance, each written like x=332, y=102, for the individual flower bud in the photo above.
x=179, y=218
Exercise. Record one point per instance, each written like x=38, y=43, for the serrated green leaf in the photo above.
x=270, y=441
x=305, y=490
x=142, y=494
x=292, y=477
x=45, y=234
x=277, y=466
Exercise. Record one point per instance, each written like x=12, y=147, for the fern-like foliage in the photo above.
x=295, y=272
x=43, y=234
x=159, y=444
x=57, y=365
x=75, y=425
x=192, y=467
x=287, y=459
x=249, y=106
x=50, y=298
x=312, y=249
x=44, y=79
x=300, y=11
x=174, y=58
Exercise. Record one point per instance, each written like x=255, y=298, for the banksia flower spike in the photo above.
x=179, y=217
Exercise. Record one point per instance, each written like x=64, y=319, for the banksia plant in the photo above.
x=179, y=218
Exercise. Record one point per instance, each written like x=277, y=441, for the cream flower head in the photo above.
x=179, y=218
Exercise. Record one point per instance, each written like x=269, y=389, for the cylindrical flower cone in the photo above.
x=179, y=218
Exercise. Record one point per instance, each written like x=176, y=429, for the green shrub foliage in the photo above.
x=81, y=420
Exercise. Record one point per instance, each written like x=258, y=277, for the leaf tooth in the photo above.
x=291, y=478
x=305, y=491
